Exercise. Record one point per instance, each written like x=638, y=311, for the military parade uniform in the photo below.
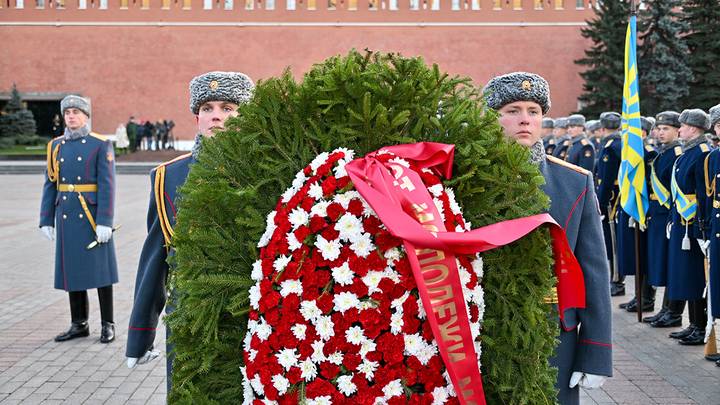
x=608, y=197
x=562, y=145
x=79, y=195
x=686, y=276
x=151, y=290
x=581, y=153
x=585, y=338
x=712, y=178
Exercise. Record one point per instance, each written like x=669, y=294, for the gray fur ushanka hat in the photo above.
x=73, y=101
x=233, y=87
x=696, y=118
x=517, y=86
x=714, y=115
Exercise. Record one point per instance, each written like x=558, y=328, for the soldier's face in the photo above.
x=212, y=116
x=666, y=133
x=688, y=132
x=522, y=121
x=559, y=132
x=546, y=132
x=74, y=118
x=575, y=130
x=717, y=128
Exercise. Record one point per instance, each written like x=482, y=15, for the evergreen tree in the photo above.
x=662, y=58
x=702, y=19
x=363, y=102
x=15, y=120
x=604, y=60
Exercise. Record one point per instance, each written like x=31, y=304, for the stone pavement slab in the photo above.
x=649, y=368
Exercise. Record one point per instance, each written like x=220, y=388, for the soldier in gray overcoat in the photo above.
x=78, y=200
x=584, y=354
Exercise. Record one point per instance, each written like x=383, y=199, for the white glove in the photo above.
x=668, y=230
x=148, y=356
x=103, y=233
x=602, y=217
x=704, y=244
x=48, y=232
x=586, y=380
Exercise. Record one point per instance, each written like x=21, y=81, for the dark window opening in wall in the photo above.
x=43, y=111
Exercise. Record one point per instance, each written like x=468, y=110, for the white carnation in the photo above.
x=436, y=190
x=280, y=263
x=299, y=180
x=308, y=370
x=280, y=383
x=288, y=194
x=319, y=209
x=298, y=217
x=339, y=170
x=318, y=355
x=263, y=331
x=322, y=400
x=315, y=191
x=287, y=358
x=368, y=368
x=288, y=287
x=309, y=310
x=344, y=301
x=248, y=394
x=257, y=385
x=454, y=207
x=366, y=347
x=345, y=198
x=396, y=323
x=371, y=280
x=298, y=330
x=325, y=327
x=392, y=389
x=440, y=208
x=392, y=255
x=355, y=335
x=335, y=358
x=257, y=274
x=330, y=250
x=477, y=266
x=319, y=161
x=269, y=229
x=362, y=245
x=349, y=227
x=345, y=385
x=342, y=274
x=254, y=295
x=349, y=154
x=440, y=396
x=413, y=344
x=293, y=243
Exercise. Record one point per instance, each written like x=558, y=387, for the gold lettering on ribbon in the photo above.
x=467, y=391
x=405, y=182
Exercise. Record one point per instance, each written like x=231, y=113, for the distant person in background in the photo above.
x=149, y=133
x=171, y=136
x=132, y=131
x=140, y=134
x=121, y=138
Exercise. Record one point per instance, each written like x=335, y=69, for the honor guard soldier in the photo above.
x=686, y=274
x=562, y=138
x=584, y=354
x=628, y=255
x=608, y=191
x=581, y=151
x=78, y=200
x=592, y=130
x=712, y=179
x=559, y=135
x=214, y=97
x=548, y=125
x=659, y=179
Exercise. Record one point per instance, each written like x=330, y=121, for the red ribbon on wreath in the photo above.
x=401, y=200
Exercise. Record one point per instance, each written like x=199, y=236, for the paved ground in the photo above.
x=649, y=367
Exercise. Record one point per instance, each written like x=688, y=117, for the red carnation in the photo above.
x=319, y=387
x=317, y=223
x=325, y=303
x=356, y=207
x=335, y=211
x=329, y=186
x=329, y=370
x=351, y=361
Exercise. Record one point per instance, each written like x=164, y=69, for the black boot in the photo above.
x=696, y=338
x=617, y=289
x=647, y=306
x=713, y=357
x=668, y=320
x=625, y=305
x=656, y=317
x=683, y=333
x=79, y=315
x=107, y=332
x=80, y=329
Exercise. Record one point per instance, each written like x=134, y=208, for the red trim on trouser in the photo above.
x=592, y=342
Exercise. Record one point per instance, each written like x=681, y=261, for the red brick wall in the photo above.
x=144, y=70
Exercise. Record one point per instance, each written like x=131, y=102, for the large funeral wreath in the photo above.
x=361, y=102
